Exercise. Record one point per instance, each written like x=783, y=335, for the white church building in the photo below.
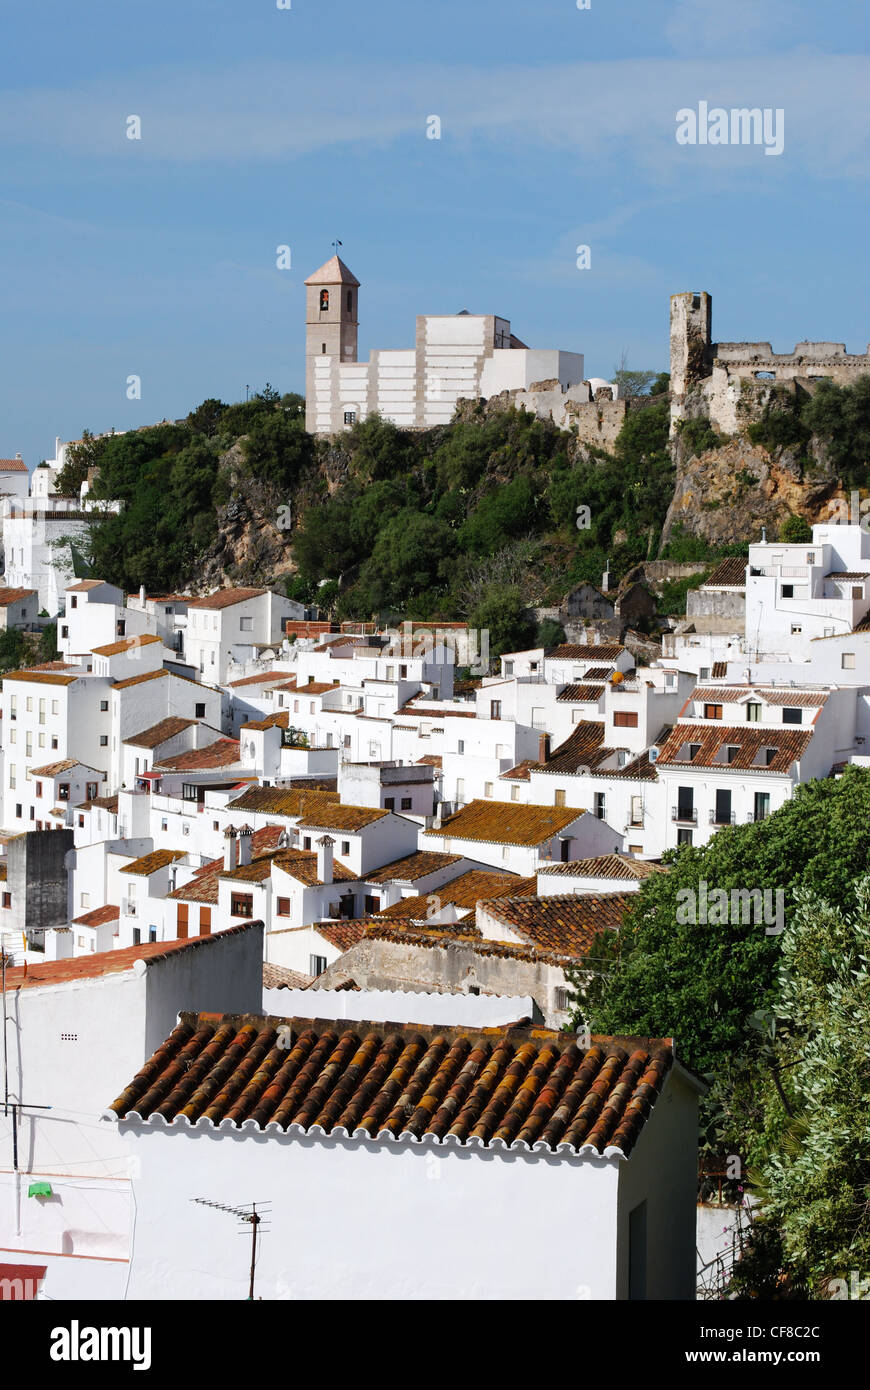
x=454, y=356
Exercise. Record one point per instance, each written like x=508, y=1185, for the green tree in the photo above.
x=814, y=1184
x=549, y=633
x=840, y=416
x=13, y=648
x=81, y=455
x=48, y=643
x=503, y=614
x=795, y=529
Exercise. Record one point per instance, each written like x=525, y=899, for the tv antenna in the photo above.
x=248, y=1215
x=335, y=245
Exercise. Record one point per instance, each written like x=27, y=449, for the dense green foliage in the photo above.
x=840, y=416
x=13, y=649
x=795, y=529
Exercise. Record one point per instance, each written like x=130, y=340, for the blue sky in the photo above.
x=264, y=127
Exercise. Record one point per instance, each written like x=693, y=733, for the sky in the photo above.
x=263, y=127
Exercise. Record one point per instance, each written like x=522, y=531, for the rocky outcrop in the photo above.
x=727, y=493
x=254, y=528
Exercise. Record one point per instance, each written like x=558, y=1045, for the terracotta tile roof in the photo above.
x=83, y=586
x=583, y=747
x=300, y=864
x=573, y=694
x=98, y=916
x=262, y=678
x=727, y=694
x=719, y=670
x=101, y=963
x=225, y=598
x=333, y=272
x=41, y=677
x=506, y=823
x=281, y=801
x=54, y=769
x=279, y=977
x=464, y=893
x=342, y=935
x=599, y=673
x=160, y=733
x=790, y=745
x=333, y=815
x=126, y=644
x=312, y=688
x=431, y=760
x=150, y=863
x=102, y=803
x=224, y=752
x=461, y=936
x=281, y=720
x=848, y=574
x=147, y=676
x=413, y=866
x=639, y=769
x=605, y=866
x=497, y=1088
x=730, y=573
x=566, y=923
x=203, y=886
x=8, y=596
x=13, y=466
x=581, y=651
x=519, y=773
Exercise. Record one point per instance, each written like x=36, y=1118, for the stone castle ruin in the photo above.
x=731, y=382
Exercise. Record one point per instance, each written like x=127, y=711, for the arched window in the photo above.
x=324, y=300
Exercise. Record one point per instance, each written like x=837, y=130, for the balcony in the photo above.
x=684, y=815
x=754, y=817
x=722, y=818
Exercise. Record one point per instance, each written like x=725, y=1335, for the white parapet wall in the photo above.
x=399, y=1006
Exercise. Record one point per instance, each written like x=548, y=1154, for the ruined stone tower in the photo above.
x=691, y=347
x=331, y=326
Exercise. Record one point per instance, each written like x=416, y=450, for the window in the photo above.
x=7, y=899
x=246, y=624
x=753, y=712
x=460, y=789
x=599, y=805
x=625, y=719
x=350, y=417
x=205, y=921
x=324, y=301
x=54, y=706
x=33, y=813
x=857, y=591
x=460, y=746
x=515, y=793
x=199, y=711
x=792, y=716
x=323, y=347
x=11, y=774
x=787, y=591
x=712, y=711
x=796, y=629
x=316, y=965
x=345, y=846
x=164, y=824
x=847, y=661
x=152, y=933
x=137, y=936
x=104, y=740
x=684, y=837
x=215, y=825
x=762, y=806
x=636, y=813
x=84, y=900
x=811, y=559
x=73, y=603
x=64, y=631
x=185, y=829
x=18, y=811
x=122, y=627
x=39, y=789
x=487, y=788
x=509, y=668
x=349, y=301
x=63, y=791
x=241, y=905
x=306, y=842
x=54, y=742
x=282, y=907
x=181, y=925
x=13, y=735
x=495, y=709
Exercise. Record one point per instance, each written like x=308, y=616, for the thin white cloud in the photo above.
x=739, y=26
x=594, y=112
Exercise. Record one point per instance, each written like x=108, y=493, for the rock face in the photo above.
x=254, y=530
x=726, y=494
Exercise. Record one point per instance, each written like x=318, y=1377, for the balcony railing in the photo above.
x=685, y=815
x=721, y=817
x=754, y=816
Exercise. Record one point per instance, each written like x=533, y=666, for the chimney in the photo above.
x=246, y=836
x=544, y=748
x=324, y=859
x=142, y=594
x=230, y=850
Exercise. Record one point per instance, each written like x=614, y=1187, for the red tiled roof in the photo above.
x=342, y=935
x=126, y=644
x=605, y=866
x=413, y=866
x=83, y=586
x=8, y=596
x=282, y=801
x=566, y=923
x=332, y=272
x=98, y=916
x=581, y=651
x=575, y=694
x=224, y=752
x=279, y=977
x=91, y=967
x=203, y=887
x=103, y=803
x=728, y=574
x=225, y=598
x=271, y=721
x=262, y=678
x=160, y=733
x=40, y=677
x=13, y=466
x=500, y=1088
x=790, y=746
x=728, y=694
x=506, y=823
x=150, y=863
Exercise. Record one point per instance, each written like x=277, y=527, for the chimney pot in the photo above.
x=231, y=850
x=325, y=872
